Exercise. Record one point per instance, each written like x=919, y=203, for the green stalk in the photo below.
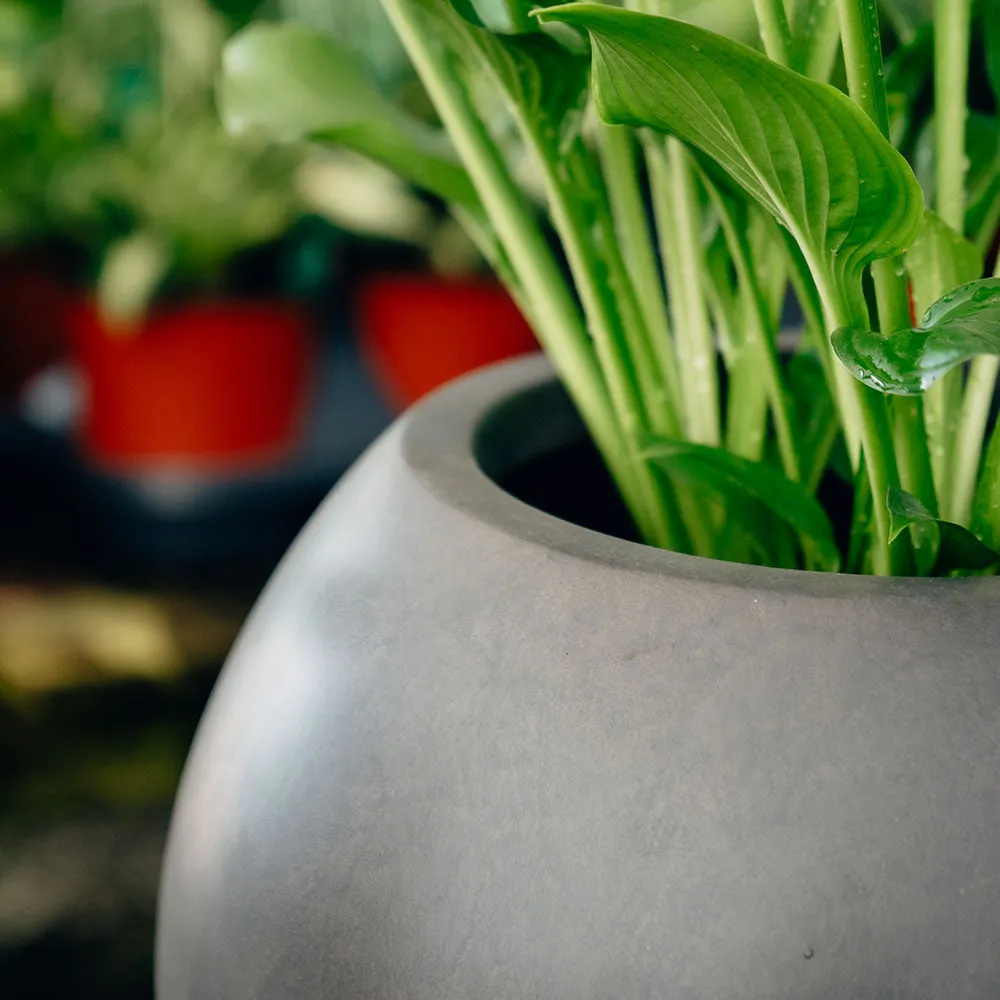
x=681, y=227
x=980, y=389
x=862, y=42
x=697, y=515
x=758, y=344
x=913, y=452
x=986, y=520
x=746, y=406
x=620, y=335
x=559, y=324
x=817, y=33
x=774, y=30
x=970, y=435
x=951, y=76
x=618, y=151
x=868, y=411
x=952, y=19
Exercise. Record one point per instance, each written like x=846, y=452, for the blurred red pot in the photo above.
x=216, y=385
x=418, y=332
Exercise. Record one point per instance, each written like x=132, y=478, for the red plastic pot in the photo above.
x=211, y=384
x=418, y=332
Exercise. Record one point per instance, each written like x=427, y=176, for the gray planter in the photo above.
x=467, y=751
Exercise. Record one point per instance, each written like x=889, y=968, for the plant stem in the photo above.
x=756, y=341
x=697, y=515
x=817, y=37
x=859, y=31
x=951, y=79
x=980, y=389
x=774, y=30
x=870, y=411
x=986, y=515
x=679, y=220
x=632, y=223
x=860, y=34
x=559, y=324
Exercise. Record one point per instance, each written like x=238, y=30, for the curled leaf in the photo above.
x=802, y=149
x=959, y=326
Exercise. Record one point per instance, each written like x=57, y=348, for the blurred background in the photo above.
x=197, y=336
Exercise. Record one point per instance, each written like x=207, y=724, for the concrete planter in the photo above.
x=467, y=751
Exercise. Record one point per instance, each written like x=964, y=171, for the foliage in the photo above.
x=117, y=144
x=692, y=181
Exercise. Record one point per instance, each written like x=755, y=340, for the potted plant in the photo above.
x=469, y=748
x=181, y=365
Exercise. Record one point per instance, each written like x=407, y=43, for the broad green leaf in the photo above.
x=743, y=479
x=953, y=549
x=959, y=326
x=292, y=83
x=802, y=149
x=940, y=260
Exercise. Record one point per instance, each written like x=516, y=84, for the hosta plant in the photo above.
x=694, y=183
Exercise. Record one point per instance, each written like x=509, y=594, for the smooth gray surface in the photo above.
x=465, y=751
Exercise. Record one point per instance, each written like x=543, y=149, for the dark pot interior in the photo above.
x=534, y=445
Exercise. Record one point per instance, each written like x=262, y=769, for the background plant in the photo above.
x=711, y=179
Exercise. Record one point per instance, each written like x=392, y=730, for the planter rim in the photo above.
x=437, y=445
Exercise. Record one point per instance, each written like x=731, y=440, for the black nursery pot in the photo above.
x=467, y=750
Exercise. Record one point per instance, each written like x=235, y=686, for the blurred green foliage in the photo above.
x=109, y=136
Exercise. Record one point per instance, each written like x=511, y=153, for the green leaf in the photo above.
x=940, y=259
x=743, y=479
x=952, y=549
x=959, y=326
x=291, y=83
x=802, y=149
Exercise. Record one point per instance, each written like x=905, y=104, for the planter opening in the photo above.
x=535, y=447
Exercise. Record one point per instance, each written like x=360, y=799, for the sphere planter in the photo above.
x=213, y=385
x=420, y=331
x=468, y=749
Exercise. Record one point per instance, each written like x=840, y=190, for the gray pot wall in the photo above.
x=466, y=751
